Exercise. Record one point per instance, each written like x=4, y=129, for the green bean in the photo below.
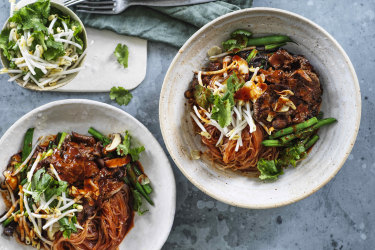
x=302, y=134
x=272, y=143
x=274, y=39
x=137, y=185
x=273, y=46
x=147, y=186
x=105, y=140
x=294, y=128
x=308, y=131
x=251, y=55
x=27, y=143
x=62, y=138
x=311, y=142
x=10, y=219
x=324, y=122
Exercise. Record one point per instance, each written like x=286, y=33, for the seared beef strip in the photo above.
x=289, y=72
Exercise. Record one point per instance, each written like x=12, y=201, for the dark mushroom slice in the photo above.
x=116, y=140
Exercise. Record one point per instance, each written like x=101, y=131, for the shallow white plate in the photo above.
x=102, y=71
x=78, y=115
x=341, y=99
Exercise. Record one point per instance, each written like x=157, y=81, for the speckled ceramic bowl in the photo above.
x=78, y=115
x=341, y=99
x=69, y=77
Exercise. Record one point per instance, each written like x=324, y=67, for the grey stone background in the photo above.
x=339, y=216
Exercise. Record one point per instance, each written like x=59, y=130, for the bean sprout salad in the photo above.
x=42, y=45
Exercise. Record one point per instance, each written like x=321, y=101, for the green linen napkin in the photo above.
x=171, y=25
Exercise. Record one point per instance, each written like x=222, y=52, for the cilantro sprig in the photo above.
x=120, y=95
x=238, y=40
x=125, y=148
x=223, y=105
x=269, y=169
x=67, y=226
x=122, y=54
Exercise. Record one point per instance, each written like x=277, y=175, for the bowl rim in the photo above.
x=198, y=34
x=73, y=15
x=52, y=104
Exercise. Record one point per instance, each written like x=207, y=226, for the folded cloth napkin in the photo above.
x=171, y=25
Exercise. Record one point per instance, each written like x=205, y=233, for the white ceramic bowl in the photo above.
x=69, y=77
x=341, y=99
x=79, y=115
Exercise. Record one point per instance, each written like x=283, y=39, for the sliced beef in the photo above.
x=282, y=59
x=75, y=162
x=289, y=72
x=88, y=140
x=281, y=121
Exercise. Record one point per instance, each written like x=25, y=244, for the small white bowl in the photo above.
x=341, y=99
x=69, y=77
x=78, y=115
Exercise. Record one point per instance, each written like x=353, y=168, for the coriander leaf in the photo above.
x=66, y=19
x=229, y=44
x=39, y=38
x=202, y=95
x=35, y=23
x=137, y=202
x=240, y=32
x=122, y=54
x=33, y=16
x=54, y=49
x=56, y=188
x=4, y=38
x=222, y=108
x=233, y=85
x=42, y=7
x=134, y=152
x=238, y=41
x=125, y=149
x=77, y=28
x=67, y=226
x=290, y=155
x=121, y=95
x=39, y=183
x=235, y=44
x=38, y=73
x=269, y=169
x=221, y=111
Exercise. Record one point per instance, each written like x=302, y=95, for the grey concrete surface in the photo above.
x=339, y=216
